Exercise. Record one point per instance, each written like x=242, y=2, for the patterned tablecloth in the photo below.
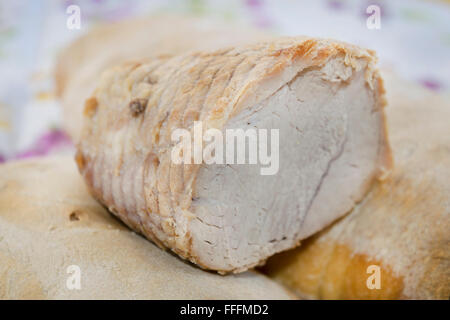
x=413, y=40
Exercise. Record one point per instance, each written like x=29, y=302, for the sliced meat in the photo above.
x=79, y=66
x=403, y=225
x=324, y=97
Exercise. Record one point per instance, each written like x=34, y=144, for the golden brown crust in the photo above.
x=386, y=156
x=90, y=106
x=322, y=270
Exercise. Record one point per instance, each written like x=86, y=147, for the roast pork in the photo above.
x=324, y=98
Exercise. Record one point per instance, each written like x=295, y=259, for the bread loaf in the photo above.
x=402, y=227
x=324, y=97
x=52, y=231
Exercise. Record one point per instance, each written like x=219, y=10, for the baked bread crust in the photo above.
x=48, y=222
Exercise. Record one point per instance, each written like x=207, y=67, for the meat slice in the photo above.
x=395, y=243
x=79, y=66
x=324, y=97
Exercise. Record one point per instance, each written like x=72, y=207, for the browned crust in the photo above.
x=322, y=270
x=386, y=157
x=90, y=106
